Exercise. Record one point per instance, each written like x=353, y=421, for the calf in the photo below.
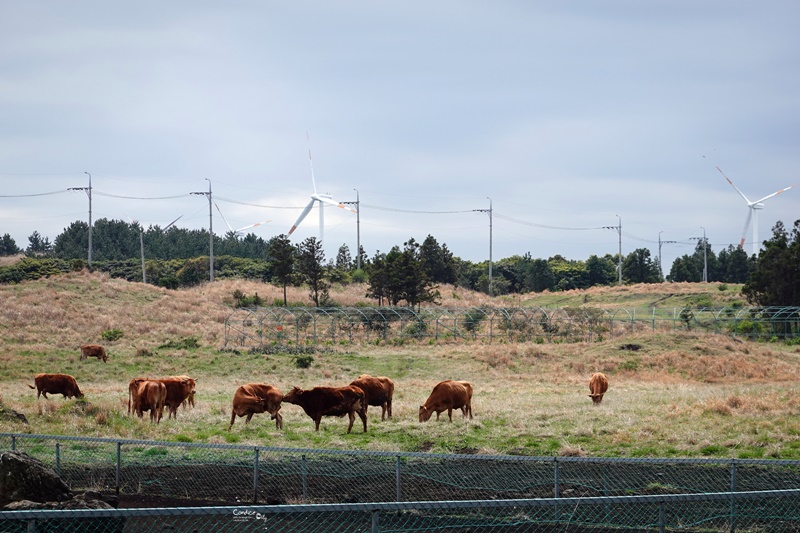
x=598, y=385
x=446, y=396
x=94, y=350
x=256, y=398
x=63, y=384
x=378, y=391
x=151, y=395
x=330, y=401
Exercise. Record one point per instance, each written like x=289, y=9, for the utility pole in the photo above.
x=89, y=193
x=619, y=255
x=660, y=242
x=491, y=293
x=210, y=231
x=705, y=256
x=358, y=229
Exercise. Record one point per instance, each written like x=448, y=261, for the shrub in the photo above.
x=187, y=343
x=303, y=361
x=111, y=335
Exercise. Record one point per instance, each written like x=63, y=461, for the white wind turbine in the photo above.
x=752, y=212
x=322, y=199
x=237, y=232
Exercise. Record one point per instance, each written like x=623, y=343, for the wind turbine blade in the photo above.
x=311, y=164
x=303, y=215
x=333, y=202
x=223, y=217
x=252, y=225
x=734, y=186
x=746, y=225
x=774, y=194
x=173, y=222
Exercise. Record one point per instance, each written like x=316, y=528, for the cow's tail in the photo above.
x=31, y=386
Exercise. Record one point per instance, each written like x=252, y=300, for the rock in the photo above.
x=11, y=415
x=23, y=477
x=75, y=503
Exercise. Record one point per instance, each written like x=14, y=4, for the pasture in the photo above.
x=670, y=395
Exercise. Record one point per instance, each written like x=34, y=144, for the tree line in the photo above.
x=408, y=274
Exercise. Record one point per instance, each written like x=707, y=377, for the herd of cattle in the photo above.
x=154, y=395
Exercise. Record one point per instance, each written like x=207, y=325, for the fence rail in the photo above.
x=262, y=326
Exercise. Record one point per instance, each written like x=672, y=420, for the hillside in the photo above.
x=681, y=394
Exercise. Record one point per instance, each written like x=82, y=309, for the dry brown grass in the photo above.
x=677, y=394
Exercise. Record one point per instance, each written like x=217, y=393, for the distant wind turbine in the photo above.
x=752, y=212
x=322, y=199
x=237, y=232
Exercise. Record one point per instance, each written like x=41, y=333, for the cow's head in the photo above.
x=293, y=395
x=424, y=413
x=596, y=398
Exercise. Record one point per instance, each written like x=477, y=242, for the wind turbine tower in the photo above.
x=752, y=212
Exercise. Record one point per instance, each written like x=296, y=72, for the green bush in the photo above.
x=112, y=335
x=303, y=361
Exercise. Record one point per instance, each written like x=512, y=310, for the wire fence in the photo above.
x=333, y=490
x=259, y=327
x=774, y=511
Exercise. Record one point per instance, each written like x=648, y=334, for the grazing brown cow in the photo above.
x=94, y=350
x=256, y=398
x=598, y=385
x=446, y=396
x=178, y=390
x=150, y=396
x=56, y=384
x=330, y=401
x=378, y=391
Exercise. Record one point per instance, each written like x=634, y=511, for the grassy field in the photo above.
x=678, y=395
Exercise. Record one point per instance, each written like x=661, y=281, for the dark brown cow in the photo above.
x=56, y=384
x=330, y=401
x=178, y=390
x=150, y=396
x=378, y=391
x=446, y=396
x=256, y=398
x=598, y=385
x=190, y=398
x=94, y=350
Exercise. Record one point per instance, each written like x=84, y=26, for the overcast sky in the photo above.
x=569, y=116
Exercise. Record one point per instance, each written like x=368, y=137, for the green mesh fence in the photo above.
x=603, y=493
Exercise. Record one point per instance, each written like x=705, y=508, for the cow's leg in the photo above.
x=352, y=416
x=363, y=415
x=249, y=416
x=316, y=422
x=278, y=420
x=389, y=407
x=450, y=413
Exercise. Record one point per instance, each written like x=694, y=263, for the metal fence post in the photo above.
x=661, y=518
x=375, y=522
x=555, y=476
x=304, y=475
x=13, y=443
x=255, y=476
x=118, y=468
x=398, y=486
x=733, y=502
x=58, y=459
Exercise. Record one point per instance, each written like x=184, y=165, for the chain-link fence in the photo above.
x=299, y=325
x=774, y=511
x=602, y=492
